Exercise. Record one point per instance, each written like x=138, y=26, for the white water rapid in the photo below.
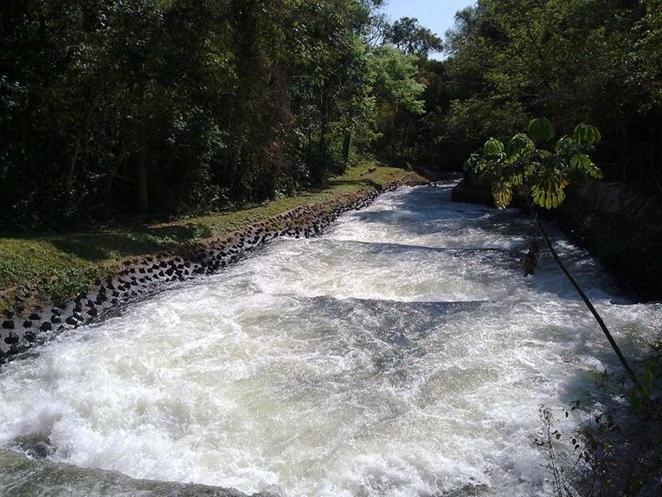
x=402, y=354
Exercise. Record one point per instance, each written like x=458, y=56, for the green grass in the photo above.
x=54, y=268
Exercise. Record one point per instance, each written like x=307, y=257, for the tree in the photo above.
x=155, y=108
x=577, y=60
x=408, y=35
x=538, y=169
x=397, y=93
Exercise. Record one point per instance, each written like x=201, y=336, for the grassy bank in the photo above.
x=53, y=268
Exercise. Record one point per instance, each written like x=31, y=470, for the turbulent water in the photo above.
x=404, y=353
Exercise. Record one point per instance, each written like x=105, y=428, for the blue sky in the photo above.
x=438, y=15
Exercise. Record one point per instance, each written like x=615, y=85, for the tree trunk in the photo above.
x=346, y=146
x=71, y=170
x=394, y=136
x=321, y=165
x=81, y=135
x=143, y=187
x=246, y=40
x=113, y=173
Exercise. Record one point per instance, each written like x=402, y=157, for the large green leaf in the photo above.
x=548, y=194
x=541, y=130
x=502, y=192
x=583, y=163
x=518, y=145
x=587, y=134
x=566, y=146
x=493, y=147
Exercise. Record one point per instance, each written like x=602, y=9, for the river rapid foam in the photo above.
x=402, y=354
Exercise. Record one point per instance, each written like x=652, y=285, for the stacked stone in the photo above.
x=142, y=277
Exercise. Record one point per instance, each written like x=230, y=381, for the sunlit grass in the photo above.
x=56, y=267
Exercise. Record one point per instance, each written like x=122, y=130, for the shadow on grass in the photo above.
x=129, y=237
x=96, y=247
x=367, y=182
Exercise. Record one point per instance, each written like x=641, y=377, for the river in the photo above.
x=403, y=353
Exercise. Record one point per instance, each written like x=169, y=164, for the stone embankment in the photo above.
x=144, y=276
x=620, y=227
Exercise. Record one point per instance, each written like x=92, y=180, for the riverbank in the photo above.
x=617, y=451
x=620, y=228
x=65, y=279
x=408, y=322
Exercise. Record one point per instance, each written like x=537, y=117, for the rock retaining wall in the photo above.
x=144, y=276
x=622, y=228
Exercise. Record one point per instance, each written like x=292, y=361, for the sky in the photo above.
x=438, y=15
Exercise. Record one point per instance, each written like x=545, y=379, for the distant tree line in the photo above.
x=595, y=61
x=166, y=107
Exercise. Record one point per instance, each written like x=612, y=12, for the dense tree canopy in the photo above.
x=596, y=61
x=164, y=107
x=172, y=106
x=408, y=35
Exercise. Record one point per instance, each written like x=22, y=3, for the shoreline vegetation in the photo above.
x=54, y=268
x=627, y=240
x=619, y=228
x=138, y=135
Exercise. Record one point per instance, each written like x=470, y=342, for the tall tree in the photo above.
x=408, y=35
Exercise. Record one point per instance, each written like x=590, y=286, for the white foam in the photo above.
x=335, y=366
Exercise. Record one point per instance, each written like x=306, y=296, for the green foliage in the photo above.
x=596, y=61
x=467, y=122
x=145, y=107
x=150, y=107
x=408, y=35
x=521, y=167
x=541, y=130
x=398, y=97
x=587, y=135
x=493, y=148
